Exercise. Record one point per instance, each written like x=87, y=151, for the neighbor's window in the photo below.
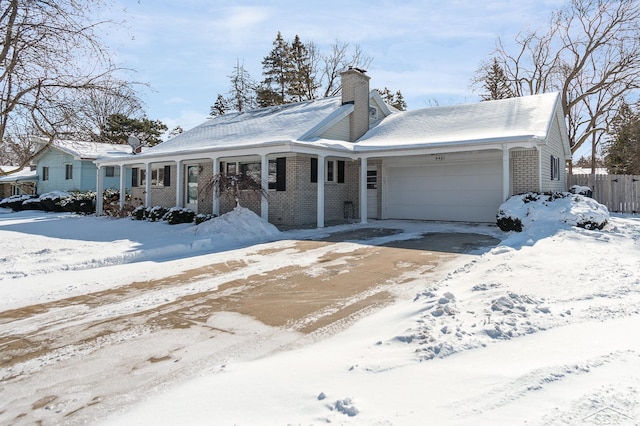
x=68, y=171
x=135, y=174
x=555, y=168
x=45, y=173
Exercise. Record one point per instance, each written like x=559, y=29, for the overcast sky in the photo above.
x=428, y=49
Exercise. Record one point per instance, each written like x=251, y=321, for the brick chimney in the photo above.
x=355, y=90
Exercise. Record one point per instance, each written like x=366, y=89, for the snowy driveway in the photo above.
x=77, y=358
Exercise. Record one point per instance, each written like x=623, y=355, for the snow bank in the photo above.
x=550, y=210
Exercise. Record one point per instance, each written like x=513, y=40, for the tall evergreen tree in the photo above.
x=118, y=128
x=242, y=95
x=622, y=152
x=220, y=107
x=395, y=100
x=494, y=82
x=301, y=78
x=277, y=68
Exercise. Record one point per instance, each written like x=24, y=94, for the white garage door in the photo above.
x=444, y=191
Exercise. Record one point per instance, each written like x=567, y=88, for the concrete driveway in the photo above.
x=87, y=354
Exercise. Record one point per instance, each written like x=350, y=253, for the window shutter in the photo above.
x=314, y=170
x=134, y=177
x=340, y=171
x=552, y=167
x=167, y=175
x=281, y=174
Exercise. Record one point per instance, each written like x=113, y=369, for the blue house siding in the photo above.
x=83, y=174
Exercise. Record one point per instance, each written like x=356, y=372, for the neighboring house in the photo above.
x=69, y=166
x=17, y=182
x=353, y=156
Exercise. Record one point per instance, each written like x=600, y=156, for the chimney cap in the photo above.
x=358, y=69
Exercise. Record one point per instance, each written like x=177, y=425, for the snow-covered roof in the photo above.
x=19, y=175
x=91, y=150
x=514, y=119
x=283, y=123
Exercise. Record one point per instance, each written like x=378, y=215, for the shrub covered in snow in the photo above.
x=15, y=202
x=140, y=213
x=51, y=200
x=177, y=215
x=522, y=211
x=79, y=202
x=201, y=217
x=156, y=213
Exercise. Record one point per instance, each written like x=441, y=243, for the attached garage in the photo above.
x=451, y=187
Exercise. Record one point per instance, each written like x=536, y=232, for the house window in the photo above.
x=335, y=171
x=231, y=169
x=45, y=173
x=160, y=176
x=110, y=171
x=314, y=170
x=68, y=171
x=134, y=176
x=372, y=179
x=555, y=168
x=251, y=170
x=281, y=174
x=331, y=171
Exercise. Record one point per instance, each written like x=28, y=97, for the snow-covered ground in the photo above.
x=542, y=329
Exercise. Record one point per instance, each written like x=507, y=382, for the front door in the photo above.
x=191, y=189
x=372, y=193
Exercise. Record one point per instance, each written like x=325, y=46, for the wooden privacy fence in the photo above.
x=620, y=193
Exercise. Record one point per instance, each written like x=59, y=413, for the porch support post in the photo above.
x=264, y=179
x=123, y=188
x=320, y=221
x=179, y=184
x=147, y=185
x=216, y=197
x=363, y=190
x=99, y=191
x=505, y=172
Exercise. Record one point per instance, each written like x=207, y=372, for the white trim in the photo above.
x=264, y=177
x=123, y=186
x=363, y=190
x=320, y=214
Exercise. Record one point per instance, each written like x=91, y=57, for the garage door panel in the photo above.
x=446, y=191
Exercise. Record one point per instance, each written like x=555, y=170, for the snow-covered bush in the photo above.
x=79, y=202
x=522, y=211
x=582, y=190
x=51, y=201
x=177, y=215
x=16, y=202
x=140, y=213
x=156, y=213
x=201, y=217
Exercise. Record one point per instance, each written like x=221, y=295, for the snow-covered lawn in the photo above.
x=542, y=329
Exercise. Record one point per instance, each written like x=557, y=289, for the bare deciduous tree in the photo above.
x=590, y=53
x=339, y=59
x=50, y=56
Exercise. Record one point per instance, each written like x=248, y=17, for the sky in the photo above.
x=538, y=327
x=427, y=49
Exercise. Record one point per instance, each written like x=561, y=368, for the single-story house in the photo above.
x=353, y=156
x=65, y=165
x=17, y=182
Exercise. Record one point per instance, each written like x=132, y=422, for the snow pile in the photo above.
x=523, y=211
x=69, y=242
x=240, y=221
